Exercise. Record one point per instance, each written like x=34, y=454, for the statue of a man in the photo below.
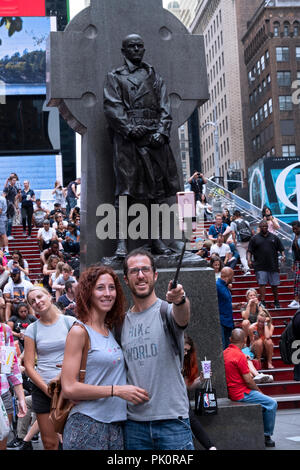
x=137, y=108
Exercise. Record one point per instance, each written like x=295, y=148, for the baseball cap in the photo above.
x=15, y=270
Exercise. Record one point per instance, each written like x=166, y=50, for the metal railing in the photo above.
x=220, y=198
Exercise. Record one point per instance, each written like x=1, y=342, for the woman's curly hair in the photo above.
x=84, y=289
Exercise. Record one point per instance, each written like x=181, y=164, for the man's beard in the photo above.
x=145, y=294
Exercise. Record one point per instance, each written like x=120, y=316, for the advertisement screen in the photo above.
x=22, y=8
x=23, y=55
x=272, y=182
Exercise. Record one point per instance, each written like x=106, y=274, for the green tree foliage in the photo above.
x=13, y=24
x=30, y=67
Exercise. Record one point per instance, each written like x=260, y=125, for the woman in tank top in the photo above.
x=253, y=307
x=45, y=339
x=95, y=422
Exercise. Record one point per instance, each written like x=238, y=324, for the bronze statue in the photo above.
x=137, y=108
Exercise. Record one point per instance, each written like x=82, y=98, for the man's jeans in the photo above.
x=226, y=333
x=9, y=224
x=71, y=203
x=269, y=406
x=169, y=434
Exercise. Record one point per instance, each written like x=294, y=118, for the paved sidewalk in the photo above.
x=287, y=430
x=286, y=434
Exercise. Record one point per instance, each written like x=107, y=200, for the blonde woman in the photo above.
x=253, y=307
x=45, y=339
x=261, y=337
x=55, y=275
x=49, y=269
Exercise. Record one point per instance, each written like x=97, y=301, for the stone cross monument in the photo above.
x=77, y=65
x=78, y=61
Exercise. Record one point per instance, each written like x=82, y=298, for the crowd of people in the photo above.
x=134, y=358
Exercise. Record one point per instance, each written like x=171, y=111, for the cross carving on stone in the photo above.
x=78, y=60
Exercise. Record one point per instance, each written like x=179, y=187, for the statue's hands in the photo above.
x=138, y=132
x=157, y=140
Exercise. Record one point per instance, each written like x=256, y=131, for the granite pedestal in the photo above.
x=236, y=426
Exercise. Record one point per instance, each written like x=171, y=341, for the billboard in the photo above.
x=272, y=182
x=22, y=8
x=23, y=56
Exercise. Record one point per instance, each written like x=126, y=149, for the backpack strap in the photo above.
x=118, y=333
x=35, y=327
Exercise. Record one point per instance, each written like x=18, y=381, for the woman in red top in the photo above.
x=192, y=381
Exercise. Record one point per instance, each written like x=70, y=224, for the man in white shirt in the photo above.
x=242, y=234
x=15, y=291
x=46, y=235
x=220, y=248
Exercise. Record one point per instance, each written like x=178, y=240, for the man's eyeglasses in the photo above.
x=135, y=271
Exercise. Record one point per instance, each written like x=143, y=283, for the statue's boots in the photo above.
x=158, y=247
x=121, y=250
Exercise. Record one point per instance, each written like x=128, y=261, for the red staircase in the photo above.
x=29, y=249
x=284, y=389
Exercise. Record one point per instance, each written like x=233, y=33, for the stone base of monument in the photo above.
x=162, y=261
x=237, y=425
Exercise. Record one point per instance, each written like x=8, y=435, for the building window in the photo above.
x=282, y=54
x=288, y=150
x=268, y=78
x=254, y=145
x=297, y=53
x=267, y=55
x=284, y=78
x=285, y=103
x=296, y=29
x=266, y=110
x=258, y=67
x=258, y=142
x=262, y=62
x=286, y=29
x=256, y=119
x=276, y=29
x=270, y=104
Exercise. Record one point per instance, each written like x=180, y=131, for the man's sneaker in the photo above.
x=277, y=305
x=10, y=237
x=294, y=304
x=269, y=442
x=263, y=378
x=258, y=378
x=25, y=445
x=16, y=442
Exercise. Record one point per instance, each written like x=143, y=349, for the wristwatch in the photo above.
x=182, y=301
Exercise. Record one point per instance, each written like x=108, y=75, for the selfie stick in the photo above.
x=174, y=282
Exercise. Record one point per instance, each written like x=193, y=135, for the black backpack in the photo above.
x=244, y=231
x=286, y=341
